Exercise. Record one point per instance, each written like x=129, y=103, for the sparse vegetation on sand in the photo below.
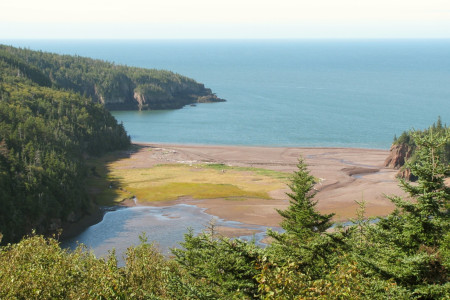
x=171, y=181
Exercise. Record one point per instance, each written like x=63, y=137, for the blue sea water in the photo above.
x=337, y=93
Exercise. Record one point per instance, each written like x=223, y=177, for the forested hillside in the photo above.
x=115, y=86
x=45, y=135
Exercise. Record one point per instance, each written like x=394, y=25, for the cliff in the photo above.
x=117, y=87
x=404, y=147
x=399, y=154
x=141, y=92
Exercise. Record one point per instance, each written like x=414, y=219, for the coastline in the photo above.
x=346, y=175
x=71, y=230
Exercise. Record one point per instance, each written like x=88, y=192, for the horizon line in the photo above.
x=226, y=39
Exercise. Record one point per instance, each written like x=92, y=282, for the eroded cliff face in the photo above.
x=399, y=154
x=126, y=94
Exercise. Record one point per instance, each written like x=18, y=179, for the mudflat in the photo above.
x=345, y=175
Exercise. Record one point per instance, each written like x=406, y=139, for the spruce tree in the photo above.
x=410, y=246
x=305, y=241
x=301, y=218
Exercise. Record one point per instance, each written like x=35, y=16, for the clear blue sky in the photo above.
x=176, y=19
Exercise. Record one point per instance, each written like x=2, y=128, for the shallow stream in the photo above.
x=166, y=226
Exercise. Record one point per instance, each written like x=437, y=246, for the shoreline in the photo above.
x=346, y=175
x=252, y=146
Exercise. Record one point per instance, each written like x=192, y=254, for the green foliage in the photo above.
x=410, y=246
x=111, y=85
x=301, y=218
x=438, y=130
x=305, y=239
x=37, y=268
x=21, y=68
x=45, y=135
x=344, y=281
x=226, y=267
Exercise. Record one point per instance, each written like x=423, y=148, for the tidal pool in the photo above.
x=165, y=226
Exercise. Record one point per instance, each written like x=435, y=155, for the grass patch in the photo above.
x=170, y=181
x=111, y=181
x=173, y=190
x=258, y=171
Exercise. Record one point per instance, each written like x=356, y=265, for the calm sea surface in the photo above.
x=350, y=93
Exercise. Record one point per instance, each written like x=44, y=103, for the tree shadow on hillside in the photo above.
x=105, y=189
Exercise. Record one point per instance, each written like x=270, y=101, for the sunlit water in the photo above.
x=121, y=228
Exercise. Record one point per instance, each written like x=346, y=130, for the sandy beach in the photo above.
x=346, y=175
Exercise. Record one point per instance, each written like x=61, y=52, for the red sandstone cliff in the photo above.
x=399, y=154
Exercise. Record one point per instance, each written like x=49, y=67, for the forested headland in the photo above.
x=117, y=87
x=46, y=133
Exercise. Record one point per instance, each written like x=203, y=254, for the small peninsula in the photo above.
x=116, y=87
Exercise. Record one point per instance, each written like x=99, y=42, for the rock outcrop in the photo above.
x=126, y=94
x=399, y=154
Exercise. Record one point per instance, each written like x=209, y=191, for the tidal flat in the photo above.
x=244, y=184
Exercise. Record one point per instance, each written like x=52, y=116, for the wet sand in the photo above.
x=346, y=175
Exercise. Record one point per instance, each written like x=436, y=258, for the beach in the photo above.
x=345, y=176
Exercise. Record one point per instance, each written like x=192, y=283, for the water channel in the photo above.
x=165, y=226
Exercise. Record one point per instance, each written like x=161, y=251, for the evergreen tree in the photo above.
x=301, y=218
x=227, y=267
x=411, y=245
x=305, y=240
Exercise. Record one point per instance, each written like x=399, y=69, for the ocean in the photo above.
x=311, y=93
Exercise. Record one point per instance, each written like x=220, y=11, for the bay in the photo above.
x=336, y=93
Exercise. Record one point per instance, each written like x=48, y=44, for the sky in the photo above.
x=223, y=19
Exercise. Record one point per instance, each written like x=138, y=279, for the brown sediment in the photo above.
x=345, y=175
